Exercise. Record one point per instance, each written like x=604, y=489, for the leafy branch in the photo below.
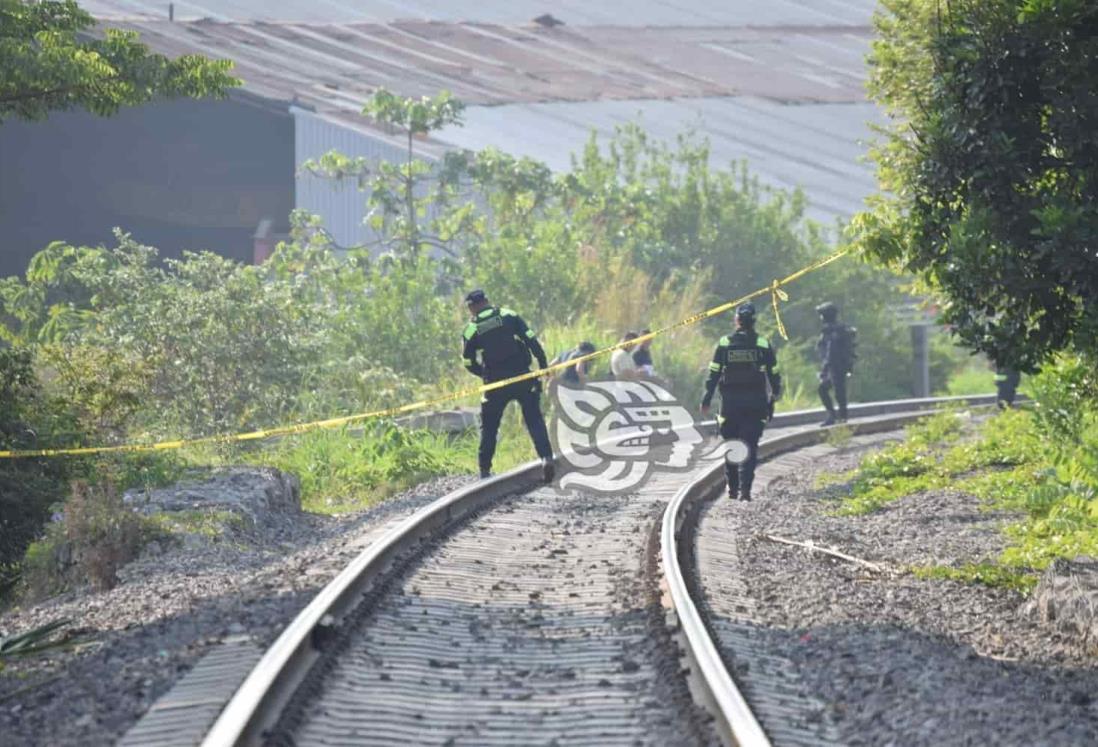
x=48, y=62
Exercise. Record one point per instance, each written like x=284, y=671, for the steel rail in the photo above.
x=257, y=704
x=710, y=681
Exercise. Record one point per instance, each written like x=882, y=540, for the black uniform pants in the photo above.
x=838, y=382
x=745, y=424
x=528, y=395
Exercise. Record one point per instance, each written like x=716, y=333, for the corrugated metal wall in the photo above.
x=340, y=203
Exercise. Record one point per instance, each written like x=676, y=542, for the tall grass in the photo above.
x=351, y=468
x=1041, y=464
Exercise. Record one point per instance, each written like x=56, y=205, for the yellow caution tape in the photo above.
x=774, y=289
x=777, y=293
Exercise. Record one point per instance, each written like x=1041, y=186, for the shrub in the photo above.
x=351, y=468
x=1065, y=393
x=93, y=537
x=28, y=487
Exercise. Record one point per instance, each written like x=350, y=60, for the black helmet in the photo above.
x=828, y=311
x=745, y=313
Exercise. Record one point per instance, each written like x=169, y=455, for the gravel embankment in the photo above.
x=892, y=658
x=168, y=611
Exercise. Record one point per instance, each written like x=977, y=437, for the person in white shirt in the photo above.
x=621, y=360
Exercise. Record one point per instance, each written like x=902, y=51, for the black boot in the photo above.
x=548, y=469
x=745, y=491
x=829, y=420
x=733, y=484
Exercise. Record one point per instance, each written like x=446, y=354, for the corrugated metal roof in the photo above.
x=571, y=12
x=334, y=68
x=778, y=84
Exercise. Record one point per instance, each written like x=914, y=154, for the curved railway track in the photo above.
x=509, y=612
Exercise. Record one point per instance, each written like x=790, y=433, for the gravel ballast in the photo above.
x=536, y=621
x=170, y=608
x=891, y=658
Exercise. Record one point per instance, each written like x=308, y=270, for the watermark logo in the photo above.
x=613, y=435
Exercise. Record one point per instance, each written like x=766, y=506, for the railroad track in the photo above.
x=509, y=612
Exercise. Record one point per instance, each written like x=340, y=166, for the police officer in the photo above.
x=836, y=360
x=1006, y=382
x=745, y=368
x=498, y=345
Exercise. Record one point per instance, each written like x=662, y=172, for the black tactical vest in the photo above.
x=743, y=380
x=504, y=352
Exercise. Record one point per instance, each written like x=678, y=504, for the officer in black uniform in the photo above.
x=835, y=362
x=1006, y=382
x=497, y=346
x=746, y=369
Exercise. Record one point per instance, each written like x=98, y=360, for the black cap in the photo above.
x=828, y=311
x=475, y=296
x=745, y=312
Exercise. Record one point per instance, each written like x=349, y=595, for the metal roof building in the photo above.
x=778, y=84
x=575, y=12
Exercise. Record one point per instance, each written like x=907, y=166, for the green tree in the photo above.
x=48, y=62
x=515, y=238
x=399, y=199
x=191, y=346
x=990, y=174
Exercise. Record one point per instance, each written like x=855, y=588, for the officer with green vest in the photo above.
x=498, y=345
x=745, y=369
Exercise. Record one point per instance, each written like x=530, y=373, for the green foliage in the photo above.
x=904, y=467
x=370, y=322
x=1065, y=394
x=397, y=207
x=95, y=536
x=971, y=379
x=934, y=456
x=1040, y=464
x=638, y=234
x=33, y=641
x=352, y=468
x=48, y=63
x=123, y=336
x=987, y=574
x=988, y=176
x=634, y=224
x=1059, y=495
x=27, y=487
x=417, y=116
